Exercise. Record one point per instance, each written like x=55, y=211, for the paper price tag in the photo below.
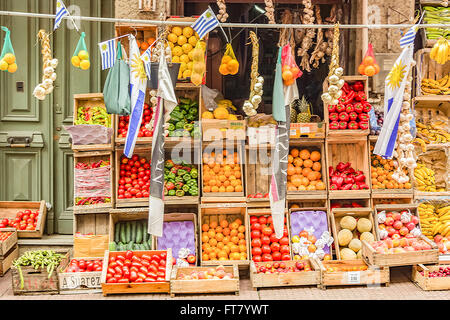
x=354, y=277
x=304, y=130
x=293, y=132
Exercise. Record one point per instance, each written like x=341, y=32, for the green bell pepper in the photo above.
x=194, y=173
x=171, y=127
x=171, y=176
x=186, y=177
x=185, y=188
x=172, y=192
x=188, y=126
x=193, y=191
x=179, y=193
x=180, y=124
x=179, y=179
x=191, y=182
x=181, y=172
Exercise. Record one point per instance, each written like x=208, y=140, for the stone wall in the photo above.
x=129, y=9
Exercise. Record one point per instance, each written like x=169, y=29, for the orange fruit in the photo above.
x=218, y=229
x=223, y=69
x=368, y=60
x=234, y=248
x=212, y=242
x=305, y=154
x=224, y=223
x=212, y=256
x=205, y=238
x=226, y=239
x=287, y=75
x=377, y=68
x=306, y=171
x=298, y=162
x=361, y=69
x=290, y=159
x=294, y=152
x=205, y=227
x=240, y=235
x=220, y=245
x=219, y=237
x=213, y=224
x=222, y=254
x=315, y=156
x=241, y=228
x=226, y=231
x=233, y=66
x=222, y=189
x=308, y=163
x=235, y=239
x=238, y=189
x=242, y=241
x=205, y=257
x=215, y=189
x=230, y=189
x=211, y=233
x=233, y=232
x=242, y=248
x=369, y=71
x=316, y=166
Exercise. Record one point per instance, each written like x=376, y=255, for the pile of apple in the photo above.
x=443, y=244
x=134, y=181
x=216, y=273
x=145, y=124
x=443, y=272
x=396, y=225
x=265, y=245
x=405, y=244
x=282, y=267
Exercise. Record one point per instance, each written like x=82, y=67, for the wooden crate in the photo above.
x=208, y=286
x=229, y=211
x=7, y=259
x=393, y=207
x=10, y=242
x=289, y=279
x=315, y=130
x=37, y=282
x=215, y=129
x=371, y=257
x=336, y=216
x=427, y=68
x=354, y=275
x=9, y=209
x=258, y=175
x=94, y=100
x=266, y=212
x=355, y=152
x=127, y=214
x=132, y=202
x=384, y=200
x=141, y=31
x=219, y=147
x=89, y=158
x=95, y=223
x=316, y=145
x=347, y=134
x=427, y=283
x=80, y=282
x=171, y=217
x=293, y=203
x=143, y=287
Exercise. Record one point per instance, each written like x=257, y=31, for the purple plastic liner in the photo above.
x=177, y=235
x=301, y=220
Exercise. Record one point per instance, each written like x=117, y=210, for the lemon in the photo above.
x=207, y=115
x=9, y=58
x=192, y=41
x=199, y=67
x=175, y=59
x=197, y=54
x=171, y=45
x=172, y=37
x=187, y=47
x=76, y=61
x=232, y=117
x=83, y=55
x=184, y=58
x=180, y=74
x=177, y=30
x=183, y=66
x=12, y=68
x=186, y=73
x=181, y=40
x=189, y=65
x=295, y=239
x=188, y=32
x=191, y=55
x=3, y=65
x=85, y=64
x=177, y=51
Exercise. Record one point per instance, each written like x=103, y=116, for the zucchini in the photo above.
x=144, y=231
x=117, y=232
x=133, y=231
x=139, y=232
x=123, y=236
x=128, y=231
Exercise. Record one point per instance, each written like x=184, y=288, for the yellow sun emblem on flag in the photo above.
x=395, y=77
x=137, y=68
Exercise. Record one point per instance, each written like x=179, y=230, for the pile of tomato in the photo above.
x=133, y=267
x=5, y=235
x=134, y=181
x=25, y=220
x=265, y=245
x=82, y=265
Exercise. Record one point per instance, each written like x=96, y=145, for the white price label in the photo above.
x=293, y=132
x=354, y=277
x=444, y=257
x=304, y=130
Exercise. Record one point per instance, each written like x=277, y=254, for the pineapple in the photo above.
x=304, y=115
x=293, y=109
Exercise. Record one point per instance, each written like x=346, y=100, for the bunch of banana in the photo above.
x=433, y=133
x=437, y=15
x=428, y=219
x=441, y=51
x=440, y=86
x=227, y=104
x=425, y=179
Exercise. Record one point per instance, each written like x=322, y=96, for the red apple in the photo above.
x=299, y=265
x=415, y=220
x=410, y=225
x=397, y=224
x=397, y=216
x=389, y=221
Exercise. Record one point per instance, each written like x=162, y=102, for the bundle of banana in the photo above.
x=431, y=134
x=434, y=219
x=437, y=15
x=261, y=119
x=425, y=178
x=431, y=86
x=441, y=51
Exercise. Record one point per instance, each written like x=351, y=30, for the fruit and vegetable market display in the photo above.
x=131, y=235
x=304, y=170
x=24, y=220
x=180, y=179
x=344, y=177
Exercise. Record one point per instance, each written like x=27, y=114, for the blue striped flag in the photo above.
x=205, y=23
x=146, y=57
x=108, y=53
x=61, y=12
x=408, y=37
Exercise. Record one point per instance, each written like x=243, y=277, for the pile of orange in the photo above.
x=289, y=74
x=368, y=67
x=221, y=172
x=228, y=65
x=144, y=44
x=381, y=172
x=224, y=241
x=304, y=170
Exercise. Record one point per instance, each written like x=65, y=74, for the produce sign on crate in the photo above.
x=82, y=274
x=137, y=271
x=28, y=217
x=310, y=235
x=434, y=277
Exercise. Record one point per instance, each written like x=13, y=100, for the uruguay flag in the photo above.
x=393, y=98
x=61, y=12
x=138, y=84
x=146, y=58
x=205, y=23
x=108, y=53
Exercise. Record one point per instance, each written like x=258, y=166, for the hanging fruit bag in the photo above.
x=229, y=63
x=80, y=58
x=8, y=58
x=289, y=68
x=369, y=66
x=199, y=65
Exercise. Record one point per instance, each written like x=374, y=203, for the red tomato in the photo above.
x=273, y=238
x=112, y=280
x=160, y=279
x=262, y=220
x=266, y=231
x=120, y=257
x=269, y=219
x=129, y=254
x=267, y=257
x=284, y=241
x=285, y=256
x=255, y=234
x=276, y=256
x=133, y=276
x=162, y=269
x=161, y=274
x=257, y=258
x=255, y=226
x=256, y=251
x=123, y=280
x=253, y=219
x=256, y=242
x=266, y=249
x=127, y=262
x=284, y=249
x=120, y=263
x=265, y=240
x=275, y=247
x=163, y=255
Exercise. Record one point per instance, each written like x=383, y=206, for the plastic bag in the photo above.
x=8, y=57
x=80, y=58
x=199, y=65
x=92, y=182
x=290, y=70
x=369, y=66
x=116, y=91
x=209, y=95
x=229, y=63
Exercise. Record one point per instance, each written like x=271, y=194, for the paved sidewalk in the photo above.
x=401, y=288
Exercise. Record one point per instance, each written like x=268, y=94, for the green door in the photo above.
x=35, y=155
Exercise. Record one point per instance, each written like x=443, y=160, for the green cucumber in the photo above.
x=133, y=231
x=149, y=243
x=130, y=245
x=144, y=231
x=117, y=233
x=135, y=246
x=146, y=247
x=123, y=236
x=139, y=232
x=112, y=246
x=119, y=246
x=128, y=232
